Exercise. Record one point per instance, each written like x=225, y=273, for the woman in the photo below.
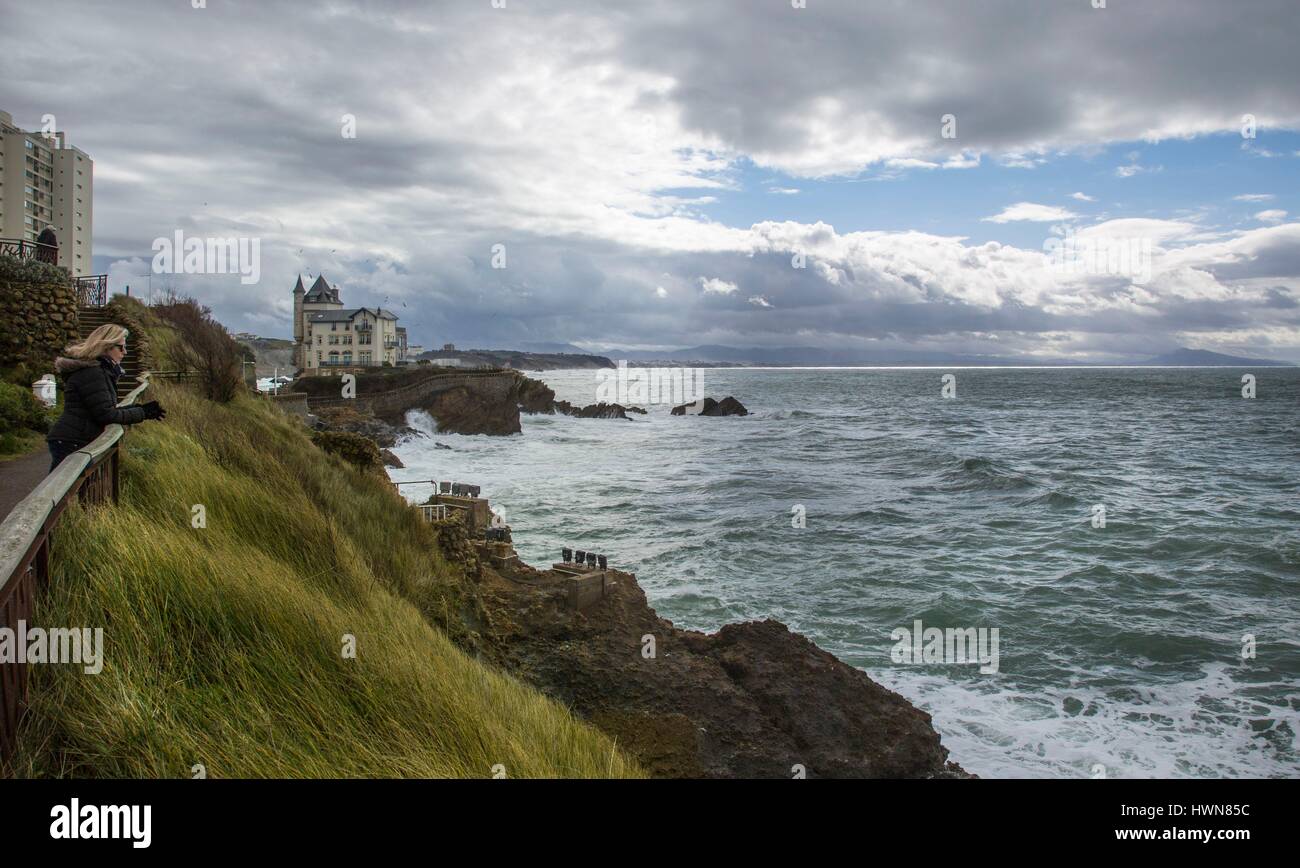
x=90, y=371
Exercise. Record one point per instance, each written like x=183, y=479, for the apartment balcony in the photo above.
x=28, y=249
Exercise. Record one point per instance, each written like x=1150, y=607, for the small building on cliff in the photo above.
x=329, y=338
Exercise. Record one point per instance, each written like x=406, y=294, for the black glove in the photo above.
x=154, y=410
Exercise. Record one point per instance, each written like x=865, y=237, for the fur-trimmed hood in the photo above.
x=64, y=365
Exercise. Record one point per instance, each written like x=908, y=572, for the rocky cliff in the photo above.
x=752, y=700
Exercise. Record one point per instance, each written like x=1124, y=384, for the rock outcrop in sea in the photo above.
x=728, y=406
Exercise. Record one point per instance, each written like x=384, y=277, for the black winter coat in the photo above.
x=90, y=400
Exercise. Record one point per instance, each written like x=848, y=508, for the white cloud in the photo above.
x=1029, y=211
x=1254, y=197
x=759, y=301
x=784, y=191
x=1021, y=161
x=963, y=161
x=1083, y=197
x=660, y=292
x=717, y=285
x=910, y=163
x=1273, y=215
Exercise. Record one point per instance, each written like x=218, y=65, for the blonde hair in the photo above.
x=97, y=342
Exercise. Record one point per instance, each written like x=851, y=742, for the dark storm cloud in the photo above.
x=1015, y=74
x=555, y=132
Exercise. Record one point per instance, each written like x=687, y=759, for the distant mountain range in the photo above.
x=813, y=356
x=1205, y=358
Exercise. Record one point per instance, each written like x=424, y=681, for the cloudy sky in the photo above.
x=852, y=174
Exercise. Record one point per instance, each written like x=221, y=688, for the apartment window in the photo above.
x=334, y=326
x=334, y=340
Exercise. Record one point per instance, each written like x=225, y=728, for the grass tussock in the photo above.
x=224, y=644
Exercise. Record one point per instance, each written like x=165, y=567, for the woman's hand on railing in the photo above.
x=154, y=410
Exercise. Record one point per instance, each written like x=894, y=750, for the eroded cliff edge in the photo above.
x=752, y=700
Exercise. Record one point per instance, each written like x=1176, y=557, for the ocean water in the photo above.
x=1121, y=648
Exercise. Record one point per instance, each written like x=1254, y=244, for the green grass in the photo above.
x=20, y=444
x=223, y=644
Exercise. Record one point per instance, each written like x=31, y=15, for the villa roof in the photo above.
x=348, y=314
x=298, y=287
x=379, y=312
x=322, y=293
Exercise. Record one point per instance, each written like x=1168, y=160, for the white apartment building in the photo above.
x=45, y=183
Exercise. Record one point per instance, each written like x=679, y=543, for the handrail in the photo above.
x=90, y=473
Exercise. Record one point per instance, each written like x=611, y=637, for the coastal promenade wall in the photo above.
x=394, y=402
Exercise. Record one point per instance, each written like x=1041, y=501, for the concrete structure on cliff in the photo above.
x=329, y=338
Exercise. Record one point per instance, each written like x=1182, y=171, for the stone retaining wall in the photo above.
x=38, y=307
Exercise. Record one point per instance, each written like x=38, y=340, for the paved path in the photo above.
x=19, y=476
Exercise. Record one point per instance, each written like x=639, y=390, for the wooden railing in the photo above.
x=26, y=535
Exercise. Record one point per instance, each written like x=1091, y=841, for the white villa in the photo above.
x=327, y=336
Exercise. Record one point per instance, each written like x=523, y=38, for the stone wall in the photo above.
x=38, y=311
x=491, y=390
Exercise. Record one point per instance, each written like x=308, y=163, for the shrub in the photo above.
x=204, y=346
x=20, y=410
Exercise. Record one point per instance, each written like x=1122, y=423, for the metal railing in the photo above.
x=26, y=534
x=29, y=249
x=432, y=512
x=92, y=290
